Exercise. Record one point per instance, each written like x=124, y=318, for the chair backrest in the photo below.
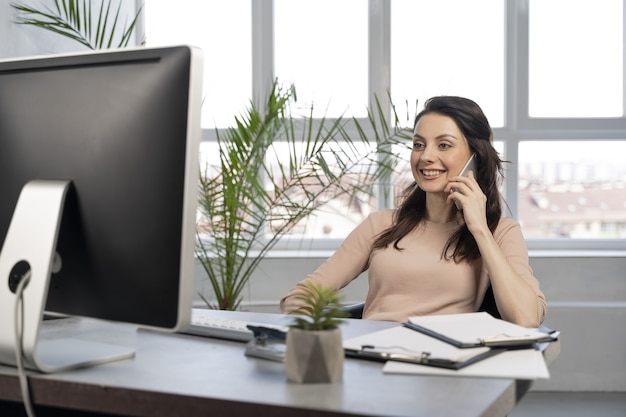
x=489, y=304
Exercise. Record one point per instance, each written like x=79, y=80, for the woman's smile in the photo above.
x=432, y=173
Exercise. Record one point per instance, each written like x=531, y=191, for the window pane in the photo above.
x=223, y=31
x=321, y=47
x=403, y=177
x=499, y=147
x=334, y=217
x=575, y=58
x=437, y=49
x=572, y=189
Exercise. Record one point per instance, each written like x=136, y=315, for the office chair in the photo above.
x=355, y=311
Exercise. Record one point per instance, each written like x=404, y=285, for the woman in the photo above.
x=428, y=256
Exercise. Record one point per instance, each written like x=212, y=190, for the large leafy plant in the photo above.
x=98, y=28
x=275, y=169
x=256, y=194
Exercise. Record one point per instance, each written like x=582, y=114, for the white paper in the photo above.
x=471, y=327
x=516, y=364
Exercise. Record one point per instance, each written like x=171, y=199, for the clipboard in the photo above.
x=402, y=344
x=472, y=330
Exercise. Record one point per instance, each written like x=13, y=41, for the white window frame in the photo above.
x=518, y=126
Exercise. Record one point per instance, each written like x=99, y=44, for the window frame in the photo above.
x=518, y=125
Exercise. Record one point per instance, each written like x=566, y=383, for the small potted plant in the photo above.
x=314, y=343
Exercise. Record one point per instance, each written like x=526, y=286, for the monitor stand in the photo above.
x=30, y=245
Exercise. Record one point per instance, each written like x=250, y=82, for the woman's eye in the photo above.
x=418, y=145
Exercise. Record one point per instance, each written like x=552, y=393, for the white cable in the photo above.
x=19, y=349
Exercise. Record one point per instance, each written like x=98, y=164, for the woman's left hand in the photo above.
x=471, y=199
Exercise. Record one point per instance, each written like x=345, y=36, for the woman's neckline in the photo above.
x=429, y=224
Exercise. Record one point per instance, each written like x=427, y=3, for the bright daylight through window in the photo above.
x=573, y=189
x=548, y=74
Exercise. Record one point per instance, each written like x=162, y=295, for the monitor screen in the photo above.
x=122, y=129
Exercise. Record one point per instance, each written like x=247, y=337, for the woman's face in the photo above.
x=440, y=150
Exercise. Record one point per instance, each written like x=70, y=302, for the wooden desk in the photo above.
x=180, y=375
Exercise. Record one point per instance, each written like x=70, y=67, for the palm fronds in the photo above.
x=275, y=170
x=75, y=19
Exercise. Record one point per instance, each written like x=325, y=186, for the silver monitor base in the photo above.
x=62, y=354
x=31, y=243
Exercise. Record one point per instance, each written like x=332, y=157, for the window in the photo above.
x=321, y=47
x=437, y=50
x=549, y=74
x=577, y=69
x=222, y=29
x=572, y=189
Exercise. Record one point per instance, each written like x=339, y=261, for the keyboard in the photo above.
x=203, y=324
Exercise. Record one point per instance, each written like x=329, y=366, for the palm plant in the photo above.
x=75, y=19
x=257, y=195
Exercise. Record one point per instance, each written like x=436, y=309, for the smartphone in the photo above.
x=470, y=165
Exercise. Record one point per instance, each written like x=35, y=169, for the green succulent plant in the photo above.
x=320, y=309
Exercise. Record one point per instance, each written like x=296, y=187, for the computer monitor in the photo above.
x=98, y=194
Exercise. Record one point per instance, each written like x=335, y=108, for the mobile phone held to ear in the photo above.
x=470, y=165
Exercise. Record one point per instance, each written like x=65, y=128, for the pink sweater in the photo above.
x=416, y=281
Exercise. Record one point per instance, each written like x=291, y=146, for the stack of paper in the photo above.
x=474, y=344
x=517, y=364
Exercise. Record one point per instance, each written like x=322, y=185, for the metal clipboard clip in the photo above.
x=423, y=358
x=268, y=343
x=505, y=340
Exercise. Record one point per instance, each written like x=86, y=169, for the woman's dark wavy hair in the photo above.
x=474, y=125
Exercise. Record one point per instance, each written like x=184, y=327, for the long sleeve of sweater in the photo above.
x=416, y=280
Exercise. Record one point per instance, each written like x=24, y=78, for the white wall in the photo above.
x=587, y=302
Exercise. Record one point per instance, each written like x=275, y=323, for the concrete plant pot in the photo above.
x=314, y=356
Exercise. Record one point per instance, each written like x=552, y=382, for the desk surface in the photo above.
x=181, y=375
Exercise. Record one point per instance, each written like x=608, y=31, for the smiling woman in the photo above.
x=428, y=257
